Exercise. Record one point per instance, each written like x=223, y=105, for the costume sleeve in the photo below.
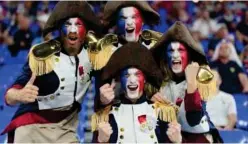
x=161, y=132
x=193, y=108
x=24, y=76
x=21, y=80
x=95, y=137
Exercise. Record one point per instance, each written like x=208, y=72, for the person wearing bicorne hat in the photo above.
x=127, y=18
x=188, y=82
x=54, y=79
x=135, y=119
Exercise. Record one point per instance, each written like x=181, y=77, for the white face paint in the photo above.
x=130, y=23
x=177, y=57
x=133, y=81
x=74, y=32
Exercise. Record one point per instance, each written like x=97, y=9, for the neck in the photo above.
x=178, y=77
x=223, y=60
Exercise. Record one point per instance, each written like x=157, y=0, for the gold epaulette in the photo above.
x=100, y=50
x=206, y=83
x=166, y=111
x=99, y=117
x=150, y=37
x=42, y=58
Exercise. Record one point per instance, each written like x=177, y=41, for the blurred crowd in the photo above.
x=220, y=28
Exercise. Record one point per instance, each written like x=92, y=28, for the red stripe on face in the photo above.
x=81, y=28
x=138, y=21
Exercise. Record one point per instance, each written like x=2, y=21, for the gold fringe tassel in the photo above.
x=207, y=91
x=40, y=66
x=100, y=59
x=100, y=116
x=166, y=111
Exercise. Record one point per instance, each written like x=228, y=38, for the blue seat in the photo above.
x=242, y=109
x=235, y=136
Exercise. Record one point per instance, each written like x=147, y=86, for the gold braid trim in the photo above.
x=166, y=111
x=100, y=59
x=100, y=116
x=41, y=66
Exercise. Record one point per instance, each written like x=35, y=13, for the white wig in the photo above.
x=233, y=54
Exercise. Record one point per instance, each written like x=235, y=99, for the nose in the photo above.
x=175, y=54
x=73, y=29
x=129, y=22
x=132, y=79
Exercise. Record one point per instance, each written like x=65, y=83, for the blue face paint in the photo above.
x=64, y=29
x=169, y=55
x=121, y=21
x=124, y=77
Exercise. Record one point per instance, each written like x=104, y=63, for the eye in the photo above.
x=67, y=24
x=79, y=24
x=123, y=17
x=181, y=49
x=139, y=74
x=170, y=50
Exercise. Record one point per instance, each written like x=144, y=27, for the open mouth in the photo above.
x=129, y=30
x=176, y=62
x=132, y=87
x=72, y=39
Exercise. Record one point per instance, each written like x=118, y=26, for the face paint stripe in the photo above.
x=129, y=18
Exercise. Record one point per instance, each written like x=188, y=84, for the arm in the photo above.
x=244, y=81
x=23, y=90
x=192, y=99
x=232, y=119
x=232, y=113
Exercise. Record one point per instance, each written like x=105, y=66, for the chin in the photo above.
x=133, y=96
x=131, y=37
x=177, y=71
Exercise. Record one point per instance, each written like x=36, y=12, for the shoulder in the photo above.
x=226, y=96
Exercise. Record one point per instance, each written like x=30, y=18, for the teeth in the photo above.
x=129, y=28
x=132, y=86
x=176, y=61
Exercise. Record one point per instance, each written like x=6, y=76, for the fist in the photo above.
x=191, y=72
x=104, y=132
x=174, y=132
x=107, y=93
x=28, y=93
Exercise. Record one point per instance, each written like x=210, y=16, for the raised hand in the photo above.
x=28, y=93
x=107, y=93
x=104, y=132
x=190, y=74
x=174, y=132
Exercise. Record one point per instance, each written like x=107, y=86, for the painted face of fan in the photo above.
x=178, y=57
x=129, y=23
x=133, y=81
x=74, y=32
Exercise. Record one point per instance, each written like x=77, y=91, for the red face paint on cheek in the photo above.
x=81, y=29
x=184, y=56
x=141, y=79
x=138, y=21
